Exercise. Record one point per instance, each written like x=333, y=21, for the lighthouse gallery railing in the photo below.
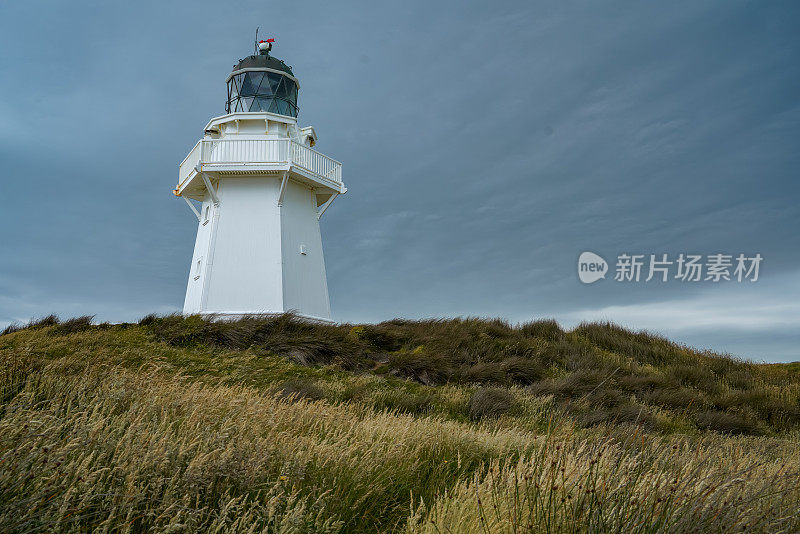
x=255, y=151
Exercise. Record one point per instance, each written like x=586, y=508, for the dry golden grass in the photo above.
x=579, y=485
x=108, y=429
x=138, y=450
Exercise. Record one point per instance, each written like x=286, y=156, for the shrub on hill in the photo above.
x=597, y=373
x=490, y=403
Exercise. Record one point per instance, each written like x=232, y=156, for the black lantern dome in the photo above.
x=262, y=83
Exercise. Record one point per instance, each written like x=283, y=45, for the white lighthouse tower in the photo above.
x=262, y=189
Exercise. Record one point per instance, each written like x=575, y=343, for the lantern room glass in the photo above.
x=255, y=91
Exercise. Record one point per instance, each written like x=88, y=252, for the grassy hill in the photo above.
x=465, y=425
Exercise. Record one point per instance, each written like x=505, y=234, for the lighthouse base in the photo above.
x=236, y=316
x=258, y=250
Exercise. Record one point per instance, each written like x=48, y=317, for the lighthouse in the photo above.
x=258, y=188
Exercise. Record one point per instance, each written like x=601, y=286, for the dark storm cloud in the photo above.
x=485, y=146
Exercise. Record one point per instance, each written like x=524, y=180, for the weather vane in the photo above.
x=263, y=47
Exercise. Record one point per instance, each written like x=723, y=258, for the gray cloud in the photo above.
x=485, y=146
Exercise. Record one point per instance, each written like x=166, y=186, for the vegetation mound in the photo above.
x=597, y=373
x=463, y=425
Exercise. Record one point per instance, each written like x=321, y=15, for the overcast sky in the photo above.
x=485, y=146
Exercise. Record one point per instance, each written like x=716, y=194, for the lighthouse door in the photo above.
x=198, y=273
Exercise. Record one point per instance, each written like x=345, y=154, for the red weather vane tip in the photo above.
x=265, y=46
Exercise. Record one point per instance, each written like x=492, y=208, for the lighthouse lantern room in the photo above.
x=258, y=189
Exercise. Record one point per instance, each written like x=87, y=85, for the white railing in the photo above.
x=260, y=151
x=189, y=163
x=313, y=161
x=245, y=151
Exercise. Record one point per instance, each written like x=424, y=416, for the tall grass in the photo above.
x=138, y=450
x=610, y=486
x=188, y=425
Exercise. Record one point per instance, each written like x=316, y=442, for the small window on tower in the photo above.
x=206, y=214
x=197, y=266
